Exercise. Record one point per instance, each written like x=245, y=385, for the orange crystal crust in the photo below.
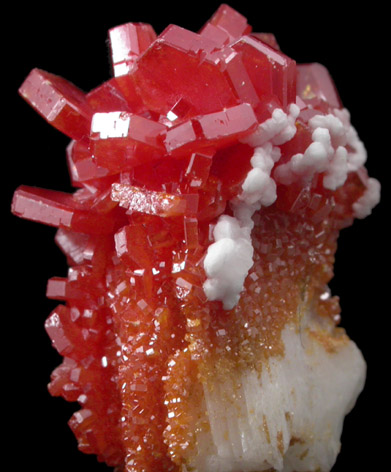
x=159, y=153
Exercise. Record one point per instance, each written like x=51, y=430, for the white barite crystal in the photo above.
x=278, y=129
x=287, y=418
x=258, y=185
x=229, y=258
x=325, y=154
x=337, y=171
x=332, y=136
x=358, y=156
x=333, y=124
x=371, y=197
x=228, y=261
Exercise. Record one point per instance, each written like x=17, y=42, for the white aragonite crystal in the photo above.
x=288, y=416
x=333, y=135
x=371, y=197
x=278, y=129
x=232, y=248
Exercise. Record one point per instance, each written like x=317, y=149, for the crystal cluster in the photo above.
x=213, y=175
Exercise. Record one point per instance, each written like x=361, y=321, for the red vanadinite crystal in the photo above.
x=156, y=153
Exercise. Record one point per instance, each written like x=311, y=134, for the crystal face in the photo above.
x=212, y=176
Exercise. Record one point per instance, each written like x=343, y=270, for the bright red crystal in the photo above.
x=127, y=43
x=61, y=103
x=271, y=72
x=156, y=154
x=192, y=54
x=230, y=21
x=60, y=210
x=107, y=97
x=121, y=140
x=212, y=129
x=315, y=84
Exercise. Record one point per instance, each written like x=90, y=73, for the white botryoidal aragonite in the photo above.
x=232, y=247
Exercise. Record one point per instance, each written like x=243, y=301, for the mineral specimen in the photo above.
x=213, y=176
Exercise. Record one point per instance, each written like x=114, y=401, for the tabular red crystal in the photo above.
x=130, y=236
x=176, y=67
x=217, y=35
x=107, y=97
x=228, y=125
x=212, y=129
x=57, y=288
x=72, y=245
x=191, y=232
x=230, y=21
x=127, y=42
x=58, y=209
x=231, y=65
x=315, y=83
x=56, y=327
x=61, y=103
x=127, y=86
x=121, y=140
x=270, y=71
x=70, y=328
x=267, y=38
x=197, y=171
x=82, y=163
x=231, y=166
x=48, y=207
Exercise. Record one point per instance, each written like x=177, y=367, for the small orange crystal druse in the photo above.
x=213, y=176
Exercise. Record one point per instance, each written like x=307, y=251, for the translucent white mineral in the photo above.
x=288, y=416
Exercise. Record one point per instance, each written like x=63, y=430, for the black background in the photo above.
x=71, y=40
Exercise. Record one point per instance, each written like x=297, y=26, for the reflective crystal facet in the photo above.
x=61, y=103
